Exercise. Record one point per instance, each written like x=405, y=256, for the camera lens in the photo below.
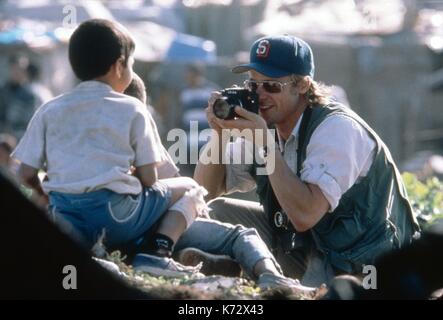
x=281, y=220
x=221, y=108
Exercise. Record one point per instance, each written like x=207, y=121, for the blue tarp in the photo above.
x=19, y=35
x=187, y=48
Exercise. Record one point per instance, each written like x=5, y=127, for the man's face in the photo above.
x=277, y=108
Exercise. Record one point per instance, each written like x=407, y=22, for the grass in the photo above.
x=210, y=287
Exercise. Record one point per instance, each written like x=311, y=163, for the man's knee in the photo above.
x=217, y=203
x=218, y=207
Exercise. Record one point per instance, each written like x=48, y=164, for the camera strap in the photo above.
x=287, y=238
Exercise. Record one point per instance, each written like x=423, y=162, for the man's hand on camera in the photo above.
x=212, y=119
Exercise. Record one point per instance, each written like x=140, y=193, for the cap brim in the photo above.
x=261, y=68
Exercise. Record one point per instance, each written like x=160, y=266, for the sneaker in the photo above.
x=271, y=281
x=162, y=266
x=212, y=264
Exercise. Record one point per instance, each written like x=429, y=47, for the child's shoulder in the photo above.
x=53, y=103
x=112, y=101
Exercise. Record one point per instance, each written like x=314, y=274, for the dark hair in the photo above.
x=96, y=45
x=137, y=88
x=33, y=72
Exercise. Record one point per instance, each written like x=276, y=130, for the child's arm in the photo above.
x=147, y=174
x=29, y=176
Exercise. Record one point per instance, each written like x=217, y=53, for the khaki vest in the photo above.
x=372, y=217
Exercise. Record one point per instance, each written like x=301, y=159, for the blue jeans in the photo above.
x=123, y=218
x=306, y=264
x=242, y=244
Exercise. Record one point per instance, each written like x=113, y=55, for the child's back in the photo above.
x=89, y=139
x=92, y=136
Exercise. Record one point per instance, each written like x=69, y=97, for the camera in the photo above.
x=281, y=220
x=236, y=96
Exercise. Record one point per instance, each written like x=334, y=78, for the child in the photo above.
x=88, y=139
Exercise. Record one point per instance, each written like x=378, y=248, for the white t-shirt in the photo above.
x=88, y=139
x=339, y=154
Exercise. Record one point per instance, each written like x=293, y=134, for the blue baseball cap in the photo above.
x=279, y=56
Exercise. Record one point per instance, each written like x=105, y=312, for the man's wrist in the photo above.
x=267, y=156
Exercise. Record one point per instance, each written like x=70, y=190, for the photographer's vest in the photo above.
x=372, y=217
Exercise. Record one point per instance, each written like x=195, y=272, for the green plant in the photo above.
x=426, y=198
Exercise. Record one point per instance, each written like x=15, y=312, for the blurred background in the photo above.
x=384, y=58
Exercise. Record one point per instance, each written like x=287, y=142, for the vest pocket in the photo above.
x=340, y=231
x=367, y=252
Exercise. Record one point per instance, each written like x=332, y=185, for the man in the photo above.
x=194, y=96
x=332, y=199
x=17, y=101
x=41, y=92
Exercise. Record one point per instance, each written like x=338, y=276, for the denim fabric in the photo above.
x=242, y=244
x=303, y=263
x=251, y=215
x=122, y=217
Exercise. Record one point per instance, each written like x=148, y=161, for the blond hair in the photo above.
x=318, y=93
